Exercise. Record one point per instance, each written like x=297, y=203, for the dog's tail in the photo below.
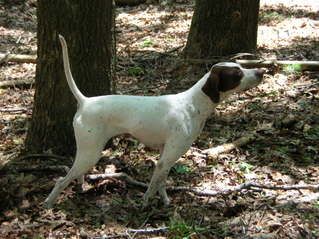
x=75, y=90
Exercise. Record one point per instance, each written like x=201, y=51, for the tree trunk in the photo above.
x=87, y=28
x=221, y=28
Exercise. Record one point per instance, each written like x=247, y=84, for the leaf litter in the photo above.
x=285, y=152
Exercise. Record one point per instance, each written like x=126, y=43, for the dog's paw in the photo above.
x=166, y=201
x=47, y=204
x=145, y=201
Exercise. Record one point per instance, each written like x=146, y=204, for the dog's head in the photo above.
x=228, y=77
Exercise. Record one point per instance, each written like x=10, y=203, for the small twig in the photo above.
x=44, y=168
x=126, y=234
x=50, y=156
x=169, y=52
x=240, y=55
x=148, y=230
x=121, y=176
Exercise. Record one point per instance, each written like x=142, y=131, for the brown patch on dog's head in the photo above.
x=222, y=78
x=211, y=88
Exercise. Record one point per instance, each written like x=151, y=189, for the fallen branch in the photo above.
x=225, y=148
x=206, y=192
x=13, y=110
x=313, y=187
x=297, y=65
x=5, y=57
x=215, y=59
x=13, y=83
x=243, y=186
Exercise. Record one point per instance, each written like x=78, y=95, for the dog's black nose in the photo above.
x=260, y=73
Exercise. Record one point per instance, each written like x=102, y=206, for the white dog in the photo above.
x=169, y=123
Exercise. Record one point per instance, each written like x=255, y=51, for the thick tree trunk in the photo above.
x=221, y=28
x=87, y=28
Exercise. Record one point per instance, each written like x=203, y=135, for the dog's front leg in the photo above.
x=171, y=153
x=158, y=181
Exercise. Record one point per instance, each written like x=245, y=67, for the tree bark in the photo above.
x=222, y=28
x=87, y=28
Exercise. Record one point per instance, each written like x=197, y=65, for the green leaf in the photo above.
x=293, y=68
x=245, y=167
x=182, y=230
x=181, y=169
x=147, y=43
x=135, y=71
x=312, y=133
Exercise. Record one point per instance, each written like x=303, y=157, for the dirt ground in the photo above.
x=283, y=112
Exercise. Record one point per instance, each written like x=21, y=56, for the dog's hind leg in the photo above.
x=83, y=162
x=89, y=148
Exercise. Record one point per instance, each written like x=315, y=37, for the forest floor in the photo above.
x=283, y=113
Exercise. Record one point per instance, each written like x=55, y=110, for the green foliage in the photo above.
x=312, y=133
x=135, y=71
x=181, y=169
x=255, y=106
x=273, y=16
x=38, y=237
x=33, y=237
x=281, y=151
x=245, y=167
x=180, y=230
x=293, y=68
x=147, y=43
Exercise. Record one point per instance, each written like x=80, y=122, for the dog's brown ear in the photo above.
x=211, y=87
